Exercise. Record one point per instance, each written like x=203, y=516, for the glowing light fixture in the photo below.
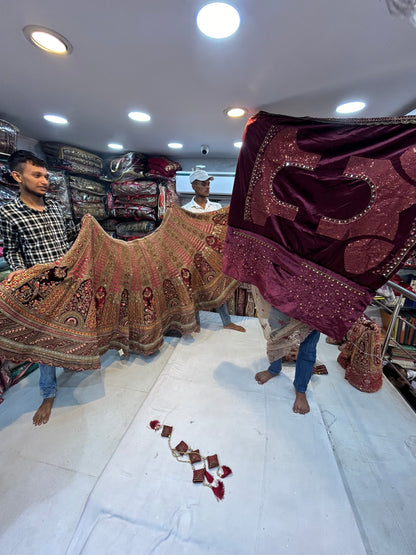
x=115, y=146
x=235, y=112
x=218, y=20
x=139, y=116
x=175, y=145
x=47, y=40
x=55, y=119
x=238, y=144
x=350, y=107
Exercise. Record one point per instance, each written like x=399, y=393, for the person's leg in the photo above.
x=226, y=319
x=274, y=370
x=304, y=370
x=198, y=322
x=47, y=385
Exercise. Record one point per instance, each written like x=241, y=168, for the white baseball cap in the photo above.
x=200, y=175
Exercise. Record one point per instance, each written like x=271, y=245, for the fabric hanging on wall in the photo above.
x=110, y=294
x=322, y=213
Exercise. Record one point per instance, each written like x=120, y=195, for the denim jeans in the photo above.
x=222, y=311
x=304, y=362
x=47, y=380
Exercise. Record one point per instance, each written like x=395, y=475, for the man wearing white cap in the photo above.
x=200, y=182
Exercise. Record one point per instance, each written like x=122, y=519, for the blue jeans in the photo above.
x=222, y=311
x=304, y=362
x=47, y=381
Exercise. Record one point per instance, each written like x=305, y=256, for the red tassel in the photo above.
x=209, y=477
x=219, y=490
x=225, y=471
x=155, y=424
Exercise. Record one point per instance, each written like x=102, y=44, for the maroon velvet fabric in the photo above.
x=322, y=213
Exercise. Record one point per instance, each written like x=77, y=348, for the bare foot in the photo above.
x=263, y=377
x=234, y=327
x=301, y=405
x=44, y=411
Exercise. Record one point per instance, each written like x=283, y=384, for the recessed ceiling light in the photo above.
x=47, y=40
x=115, y=146
x=139, y=116
x=218, y=20
x=55, y=119
x=235, y=112
x=350, y=107
x=175, y=145
x=238, y=144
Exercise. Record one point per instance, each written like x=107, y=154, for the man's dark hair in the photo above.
x=20, y=157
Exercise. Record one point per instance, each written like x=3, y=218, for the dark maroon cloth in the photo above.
x=322, y=213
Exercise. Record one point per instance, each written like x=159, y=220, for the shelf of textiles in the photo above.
x=402, y=344
x=242, y=301
x=127, y=194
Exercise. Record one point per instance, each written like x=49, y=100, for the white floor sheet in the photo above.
x=285, y=495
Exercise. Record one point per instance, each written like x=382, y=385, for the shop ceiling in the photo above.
x=291, y=57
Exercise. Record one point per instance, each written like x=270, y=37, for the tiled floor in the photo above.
x=48, y=473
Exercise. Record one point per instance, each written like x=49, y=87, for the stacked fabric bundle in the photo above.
x=88, y=197
x=58, y=190
x=131, y=165
x=141, y=189
x=73, y=159
x=162, y=166
x=164, y=171
x=8, y=137
x=75, y=180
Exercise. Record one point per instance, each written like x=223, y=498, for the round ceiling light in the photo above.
x=218, y=20
x=350, y=107
x=139, y=116
x=175, y=145
x=235, y=112
x=115, y=146
x=55, y=119
x=47, y=40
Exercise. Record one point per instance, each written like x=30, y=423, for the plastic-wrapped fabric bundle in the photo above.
x=8, y=137
x=67, y=157
x=58, y=190
x=131, y=165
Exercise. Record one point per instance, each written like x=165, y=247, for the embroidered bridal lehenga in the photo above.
x=110, y=294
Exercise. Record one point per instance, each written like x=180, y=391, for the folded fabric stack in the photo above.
x=164, y=170
x=134, y=230
x=129, y=166
x=58, y=190
x=8, y=137
x=135, y=200
x=6, y=178
x=161, y=166
x=139, y=191
x=73, y=159
x=80, y=170
x=88, y=197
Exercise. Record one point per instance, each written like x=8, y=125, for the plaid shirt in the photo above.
x=32, y=237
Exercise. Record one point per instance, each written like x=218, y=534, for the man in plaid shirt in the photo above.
x=34, y=232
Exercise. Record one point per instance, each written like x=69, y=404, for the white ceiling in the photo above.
x=295, y=57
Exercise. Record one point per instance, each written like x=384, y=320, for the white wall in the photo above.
x=222, y=184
